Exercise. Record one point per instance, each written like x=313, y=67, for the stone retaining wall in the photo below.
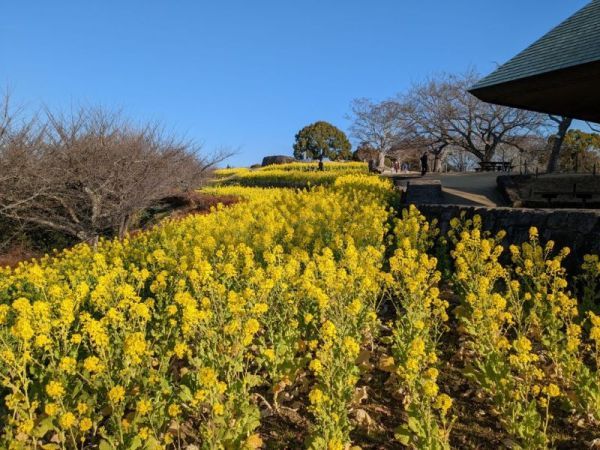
x=423, y=191
x=577, y=229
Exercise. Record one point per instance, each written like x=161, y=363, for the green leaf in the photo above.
x=152, y=444
x=105, y=445
x=43, y=427
x=185, y=394
x=135, y=443
x=415, y=425
x=402, y=435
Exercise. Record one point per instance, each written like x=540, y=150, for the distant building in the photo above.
x=558, y=74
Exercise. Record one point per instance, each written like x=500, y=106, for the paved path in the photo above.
x=471, y=188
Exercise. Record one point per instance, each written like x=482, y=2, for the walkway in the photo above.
x=467, y=188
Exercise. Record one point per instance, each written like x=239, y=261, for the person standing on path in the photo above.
x=424, y=164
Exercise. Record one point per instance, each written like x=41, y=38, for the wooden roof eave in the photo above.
x=572, y=92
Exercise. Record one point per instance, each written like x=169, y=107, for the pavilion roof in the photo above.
x=557, y=74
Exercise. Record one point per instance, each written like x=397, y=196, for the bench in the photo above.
x=584, y=196
x=549, y=195
x=494, y=166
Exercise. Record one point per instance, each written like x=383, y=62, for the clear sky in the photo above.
x=248, y=74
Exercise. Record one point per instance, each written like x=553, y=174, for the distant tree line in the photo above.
x=89, y=173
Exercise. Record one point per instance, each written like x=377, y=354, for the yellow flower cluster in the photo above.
x=345, y=167
x=184, y=322
x=419, y=324
x=174, y=337
x=294, y=175
x=342, y=293
x=230, y=172
x=336, y=166
x=521, y=327
x=491, y=311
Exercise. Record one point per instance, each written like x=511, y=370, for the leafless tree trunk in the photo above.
x=436, y=162
x=564, y=123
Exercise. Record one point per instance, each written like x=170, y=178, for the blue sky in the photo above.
x=248, y=74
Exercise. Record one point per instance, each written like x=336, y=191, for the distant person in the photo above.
x=372, y=165
x=424, y=164
x=405, y=167
x=396, y=166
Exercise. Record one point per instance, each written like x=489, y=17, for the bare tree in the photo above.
x=377, y=124
x=90, y=173
x=21, y=183
x=443, y=113
x=459, y=160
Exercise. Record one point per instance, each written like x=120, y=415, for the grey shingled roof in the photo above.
x=574, y=42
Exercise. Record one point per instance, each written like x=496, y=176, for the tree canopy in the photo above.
x=582, y=150
x=321, y=140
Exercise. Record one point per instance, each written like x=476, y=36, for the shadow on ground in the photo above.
x=473, y=189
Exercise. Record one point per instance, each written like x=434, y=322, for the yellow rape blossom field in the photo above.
x=330, y=166
x=313, y=314
x=290, y=175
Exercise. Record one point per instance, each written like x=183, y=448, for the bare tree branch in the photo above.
x=445, y=114
x=89, y=173
x=593, y=127
x=378, y=125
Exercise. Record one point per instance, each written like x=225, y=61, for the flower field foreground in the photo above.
x=300, y=318
x=164, y=337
